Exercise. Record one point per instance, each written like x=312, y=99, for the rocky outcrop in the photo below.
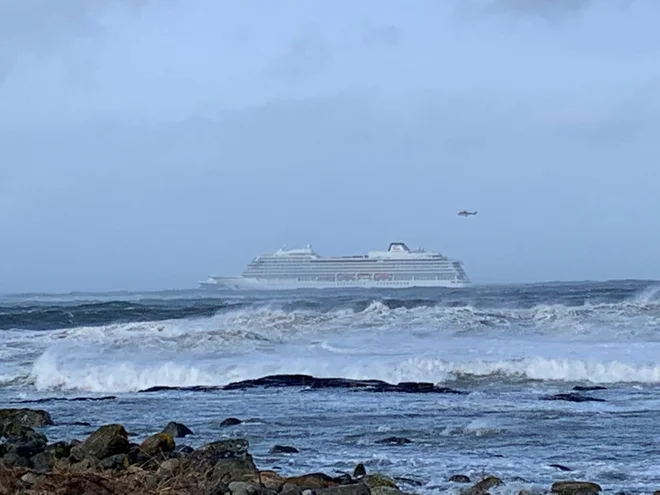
x=32, y=418
x=575, y=488
x=311, y=382
x=107, y=441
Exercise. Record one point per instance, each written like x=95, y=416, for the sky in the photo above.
x=147, y=144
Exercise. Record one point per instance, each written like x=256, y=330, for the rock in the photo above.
x=168, y=466
x=290, y=489
x=459, y=478
x=107, y=441
x=377, y=479
x=29, y=478
x=271, y=480
x=354, y=489
x=22, y=440
x=231, y=422
x=224, y=461
x=186, y=449
x=119, y=461
x=394, y=441
x=157, y=444
x=312, y=481
x=12, y=459
x=26, y=417
x=572, y=397
x=283, y=449
x=575, y=487
x=359, y=471
x=177, y=430
x=42, y=462
x=385, y=490
x=243, y=488
x=312, y=382
x=485, y=484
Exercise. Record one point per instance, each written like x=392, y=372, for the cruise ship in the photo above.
x=397, y=267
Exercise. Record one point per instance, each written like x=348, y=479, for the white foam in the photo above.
x=603, y=343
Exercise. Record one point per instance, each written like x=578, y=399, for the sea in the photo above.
x=510, y=348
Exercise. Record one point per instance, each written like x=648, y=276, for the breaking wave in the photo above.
x=599, y=333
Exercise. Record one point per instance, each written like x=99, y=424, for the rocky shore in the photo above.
x=107, y=462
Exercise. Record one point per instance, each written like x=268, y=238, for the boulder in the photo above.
x=107, y=441
x=353, y=489
x=575, y=488
x=377, y=479
x=223, y=461
x=312, y=481
x=283, y=449
x=26, y=417
x=272, y=480
x=359, y=471
x=231, y=422
x=486, y=484
x=157, y=444
x=177, y=430
x=459, y=478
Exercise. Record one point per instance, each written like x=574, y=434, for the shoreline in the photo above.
x=107, y=461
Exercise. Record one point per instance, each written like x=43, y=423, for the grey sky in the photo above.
x=146, y=145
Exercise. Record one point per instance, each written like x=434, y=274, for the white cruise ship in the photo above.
x=398, y=267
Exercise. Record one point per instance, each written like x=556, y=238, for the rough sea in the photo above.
x=510, y=347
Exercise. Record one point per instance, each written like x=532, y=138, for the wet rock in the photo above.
x=231, y=422
x=354, y=489
x=573, y=397
x=68, y=399
x=359, y=471
x=575, y=488
x=408, y=481
x=308, y=381
x=312, y=481
x=26, y=417
x=377, y=479
x=386, y=490
x=157, y=444
x=394, y=441
x=560, y=467
x=485, y=484
x=283, y=449
x=107, y=441
x=459, y=478
x=177, y=430
x=588, y=388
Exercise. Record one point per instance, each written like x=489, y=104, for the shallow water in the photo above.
x=507, y=346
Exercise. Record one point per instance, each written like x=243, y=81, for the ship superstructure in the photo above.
x=398, y=266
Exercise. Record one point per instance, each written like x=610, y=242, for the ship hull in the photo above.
x=243, y=283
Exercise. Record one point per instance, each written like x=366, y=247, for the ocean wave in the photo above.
x=501, y=305
x=58, y=372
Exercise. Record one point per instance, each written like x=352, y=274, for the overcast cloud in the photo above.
x=146, y=145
